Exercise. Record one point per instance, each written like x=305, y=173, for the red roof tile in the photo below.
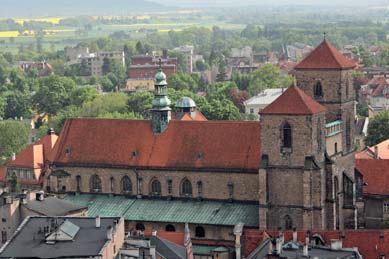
x=204, y=145
x=325, y=56
x=294, y=101
x=376, y=173
x=370, y=243
x=174, y=237
x=30, y=157
x=3, y=171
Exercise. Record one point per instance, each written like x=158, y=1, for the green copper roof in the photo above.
x=160, y=78
x=175, y=211
x=185, y=102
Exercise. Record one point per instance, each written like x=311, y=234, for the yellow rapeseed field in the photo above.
x=8, y=34
x=53, y=20
x=14, y=34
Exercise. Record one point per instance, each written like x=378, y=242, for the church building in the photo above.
x=294, y=168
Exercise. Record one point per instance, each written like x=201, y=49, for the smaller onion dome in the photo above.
x=185, y=102
x=160, y=78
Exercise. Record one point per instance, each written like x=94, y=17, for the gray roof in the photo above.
x=29, y=241
x=168, y=249
x=52, y=206
x=185, y=102
x=319, y=252
x=265, y=97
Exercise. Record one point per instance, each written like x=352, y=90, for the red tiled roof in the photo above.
x=30, y=157
x=294, y=101
x=370, y=243
x=325, y=56
x=376, y=174
x=380, y=84
x=225, y=145
x=174, y=237
x=369, y=152
x=3, y=171
x=199, y=117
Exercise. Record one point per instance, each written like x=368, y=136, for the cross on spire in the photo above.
x=324, y=35
x=160, y=64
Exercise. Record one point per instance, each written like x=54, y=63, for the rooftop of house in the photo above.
x=325, y=56
x=207, y=145
x=52, y=206
x=376, y=242
x=267, y=96
x=379, y=151
x=294, y=102
x=29, y=241
x=375, y=174
x=220, y=213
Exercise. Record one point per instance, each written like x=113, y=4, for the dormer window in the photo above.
x=318, y=90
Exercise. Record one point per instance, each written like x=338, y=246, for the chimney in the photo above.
x=164, y=53
x=281, y=236
x=13, y=157
x=305, y=251
x=98, y=221
x=50, y=131
x=376, y=152
x=153, y=252
x=154, y=232
x=109, y=233
x=39, y=196
x=336, y=244
x=294, y=235
x=278, y=245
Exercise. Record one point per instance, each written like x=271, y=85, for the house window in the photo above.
x=336, y=147
x=78, y=183
x=200, y=231
x=95, y=184
x=170, y=228
x=3, y=220
x=140, y=226
x=286, y=136
x=386, y=207
x=186, y=188
x=126, y=185
x=251, y=110
x=200, y=188
x=288, y=222
x=318, y=90
x=156, y=187
x=3, y=236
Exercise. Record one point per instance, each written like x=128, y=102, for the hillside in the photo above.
x=42, y=8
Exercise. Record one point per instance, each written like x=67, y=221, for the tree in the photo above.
x=107, y=103
x=139, y=48
x=18, y=104
x=140, y=102
x=267, y=76
x=13, y=138
x=13, y=182
x=180, y=81
x=53, y=94
x=378, y=129
x=83, y=94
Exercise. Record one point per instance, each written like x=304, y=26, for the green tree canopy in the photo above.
x=378, y=129
x=140, y=103
x=13, y=138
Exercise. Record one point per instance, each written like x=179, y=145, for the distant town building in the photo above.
x=66, y=237
x=74, y=53
x=146, y=66
x=188, y=52
x=137, y=84
x=42, y=68
x=256, y=103
x=297, y=51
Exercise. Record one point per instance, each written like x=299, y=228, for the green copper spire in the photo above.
x=161, y=112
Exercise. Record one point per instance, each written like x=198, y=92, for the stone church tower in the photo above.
x=311, y=185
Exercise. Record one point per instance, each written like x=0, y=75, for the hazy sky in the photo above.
x=271, y=2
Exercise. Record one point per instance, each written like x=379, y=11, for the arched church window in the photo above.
x=199, y=231
x=348, y=133
x=200, y=188
x=78, y=183
x=319, y=136
x=140, y=226
x=288, y=222
x=111, y=184
x=318, y=90
x=126, y=185
x=286, y=136
x=156, y=187
x=186, y=188
x=95, y=184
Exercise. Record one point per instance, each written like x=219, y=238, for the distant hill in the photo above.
x=44, y=8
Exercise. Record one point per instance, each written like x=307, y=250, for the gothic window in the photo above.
x=95, y=184
x=318, y=90
x=286, y=136
x=336, y=147
x=288, y=222
x=347, y=88
x=230, y=190
x=358, y=184
x=336, y=188
x=112, y=184
x=348, y=133
x=169, y=186
x=200, y=231
x=170, y=228
x=186, y=188
x=319, y=136
x=126, y=185
x=348, y=190
x=78, y=183
x=200, y=188
x=155, y=187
